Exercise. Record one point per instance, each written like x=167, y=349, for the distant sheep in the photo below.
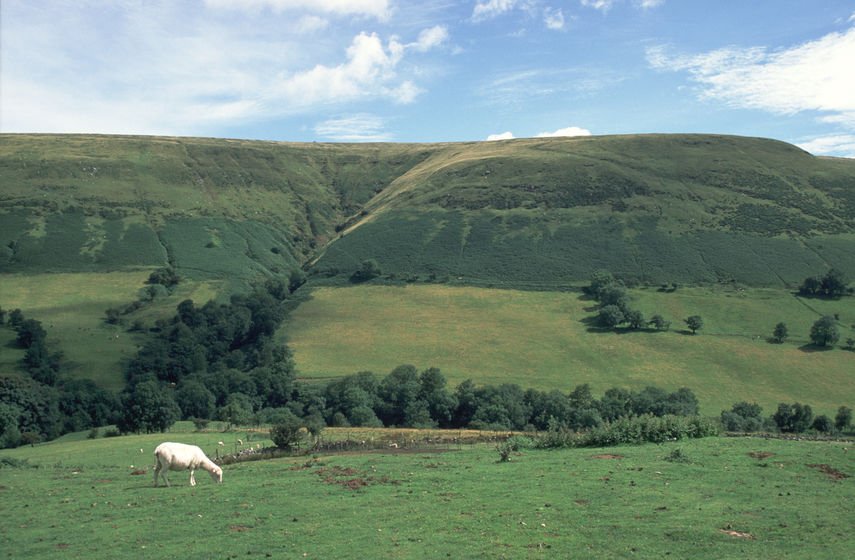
x=171, y=456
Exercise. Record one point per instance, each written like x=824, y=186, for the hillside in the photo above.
x=84, y=220
x=538, y=212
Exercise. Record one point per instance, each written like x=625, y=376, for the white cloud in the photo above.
x=368, y=72
x=311, y=24
x=650, y=4
x=362, y=127
x=568, y=131
x=813, y=76
x=149, y=69
x=838, y=145
x=430, y=38
x=503, y=136
x=602, y=5
x=373, y=8
x=553, y=18
x=491, y=8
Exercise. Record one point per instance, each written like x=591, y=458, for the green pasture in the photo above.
x=71, y=308
x=541, y=340
x=731, y=498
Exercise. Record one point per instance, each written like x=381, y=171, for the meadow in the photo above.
x=542, y=340
x=71, y=308
x=724, y=498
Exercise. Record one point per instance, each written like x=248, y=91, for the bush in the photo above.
x=823, y=424
x=633, y=430
x=289, y=432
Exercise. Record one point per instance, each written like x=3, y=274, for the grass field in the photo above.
x=733, y=498
x=540, y=339
x=71, y=309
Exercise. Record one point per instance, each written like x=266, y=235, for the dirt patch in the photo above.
x=347, y=477
x=582, y=502
x=62, y=545
x=239, y=528
x=760, y=454
x=737, y=534
x=607, y=456
x=833, y=473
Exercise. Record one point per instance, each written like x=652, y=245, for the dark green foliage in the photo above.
x=610, y=316
x=33, y=406
x=368, y=270
x=793, y=418
x=780, y=333
x=148, y=408
x=635, y=319
x=659, y=323
x=83, y=404
x=832, y=285
x=194, y=399
x=289, y=432
x=694, y=322
x=822, y=424
x=166, y=276
x=677, y=455
x=743, y=417
x=843, y=418
x=631, y=430
x=824, y=331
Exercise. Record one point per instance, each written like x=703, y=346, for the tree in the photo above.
x=742, y=417
x=659, y=323
x=694, y=322
x=843, y=418
x=822, y=424
x=610, y=316
x=289, y=432
x=149, y=408
x=635, y=319
x=793, y=418
x=780, y=333
x=367, y=270
x=824, y=331
x=296, y=279
x=833, y=284
x=194, y=399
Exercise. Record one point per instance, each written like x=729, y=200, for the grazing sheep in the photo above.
x=179, y=457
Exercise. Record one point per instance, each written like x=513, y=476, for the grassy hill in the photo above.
x=84, y=219
x=732, y=498
x=542, y=340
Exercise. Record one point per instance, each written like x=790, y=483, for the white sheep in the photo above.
x=171, y=456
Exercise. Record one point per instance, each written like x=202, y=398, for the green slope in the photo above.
x=656, y=208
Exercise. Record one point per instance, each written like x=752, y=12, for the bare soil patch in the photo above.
x=833, y=473
x=607, y=456
x=760, y=454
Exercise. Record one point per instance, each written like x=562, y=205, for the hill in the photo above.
x=85, y=219
x=524, y=213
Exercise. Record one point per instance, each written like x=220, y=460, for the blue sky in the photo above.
x=431, y=70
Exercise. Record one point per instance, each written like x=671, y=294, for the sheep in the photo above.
x=179, y=457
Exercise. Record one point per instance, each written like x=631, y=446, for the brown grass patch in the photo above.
x=239, y=528
x=737, y=534
x=832, y=473
x=607, y=456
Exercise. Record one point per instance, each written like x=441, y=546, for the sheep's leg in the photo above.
x=156, y=473
x=192, y=478
x=163, y=473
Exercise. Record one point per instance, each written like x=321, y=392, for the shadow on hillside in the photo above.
x=812, y=348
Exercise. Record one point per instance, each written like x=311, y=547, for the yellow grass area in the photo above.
x=539, y=340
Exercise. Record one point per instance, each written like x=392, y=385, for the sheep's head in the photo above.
x=217, y=474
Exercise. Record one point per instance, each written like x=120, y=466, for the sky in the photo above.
x=431, y=70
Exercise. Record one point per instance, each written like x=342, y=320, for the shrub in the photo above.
x=288, y=433
x=823, y=424
x=843, y=418
x=677, y=456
